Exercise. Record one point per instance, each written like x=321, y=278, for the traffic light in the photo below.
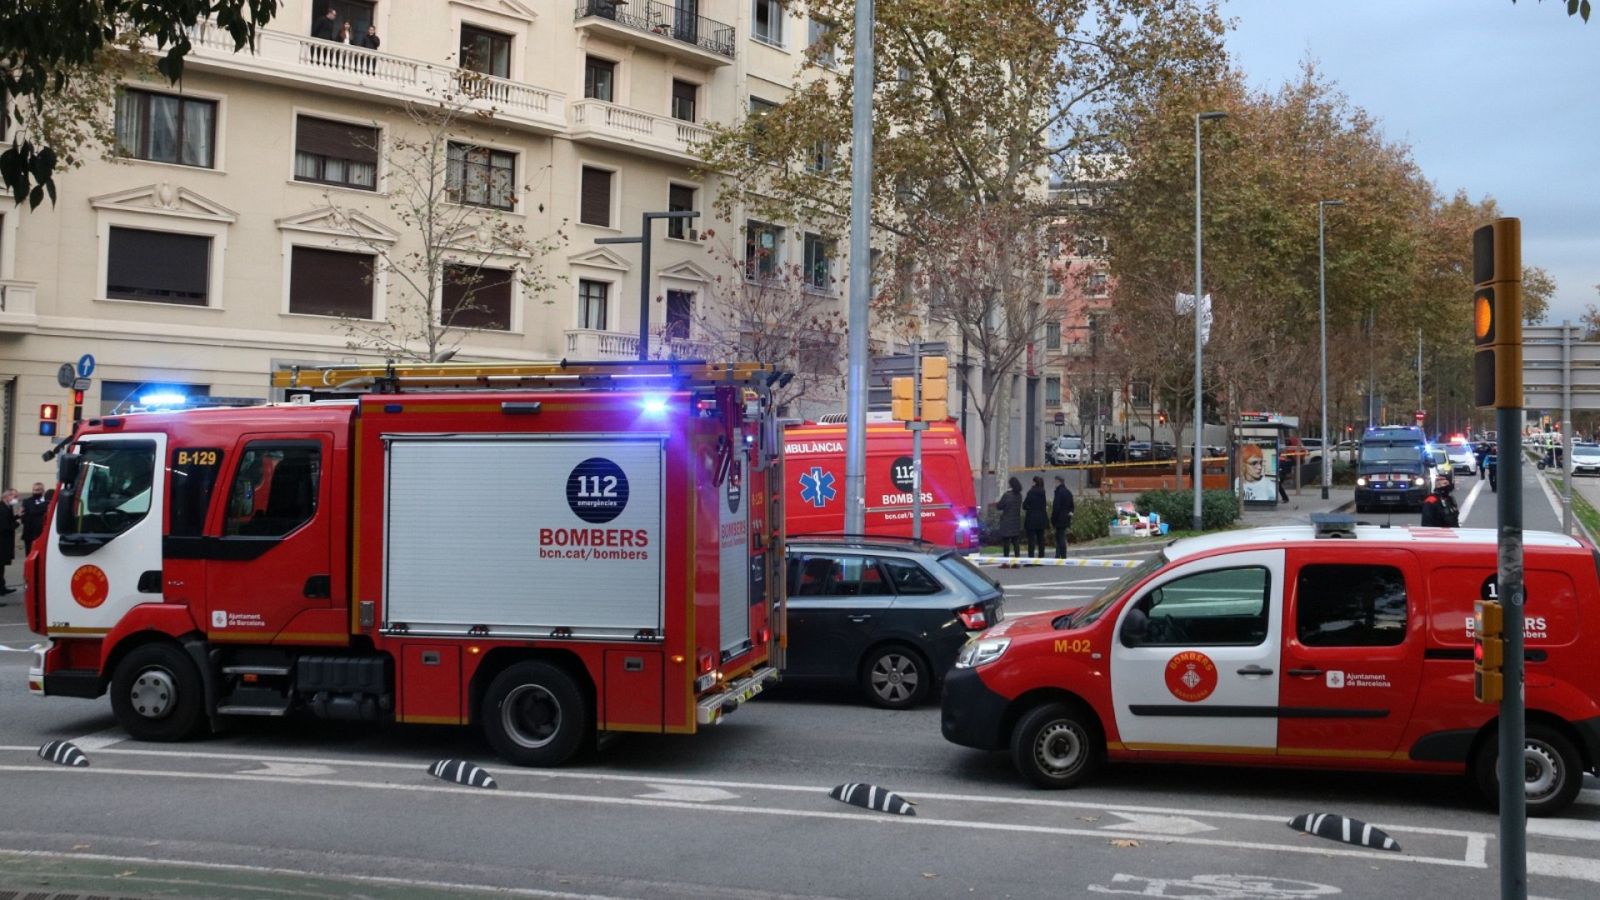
x=903, y=399
x=1497, y=314
x=49, y=414
x=1488, y=651
x=935, y=389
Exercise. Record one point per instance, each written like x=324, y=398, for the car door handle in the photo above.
x=1305, y=673
x=1254, y=670
x=861, y=618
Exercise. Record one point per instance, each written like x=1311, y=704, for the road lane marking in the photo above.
x=876, y=821
x=1574, y=867
x=290, y=770
x=1576, y=829
x=687, y=793
x=1472, y=497
x=1157, y=824
x=101, y=739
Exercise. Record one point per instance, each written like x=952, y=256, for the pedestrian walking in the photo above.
x=1285, y=472
x=1439, y=508
x=1035, y=517
x=1010, y=507
x=1061, y=516
x=33, y=510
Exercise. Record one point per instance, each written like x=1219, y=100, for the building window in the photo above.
x=599, y=75
x=1052, y=287
x=158, y=266
x=595, y=197
x=1096, y=286
x=476, y=297
x=684, y=95
x=357, y=12
x=680, y=311
x=817, y=274
x=1052, y=392
x=680, y=198
x=166, y=128
x=763, y=250
x=330, y=283
x=816, y=32
x=767, y=22
x=485, y=51
x=1052, y=335
x=479, y=176
x=820, y=158
x=336, y=153
x=592, y=301
x=759, y=108
x=1139, y=394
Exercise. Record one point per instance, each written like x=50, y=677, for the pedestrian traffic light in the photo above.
x=1488, y=651
x=1497, y=314
x=903, y=399
x=935, y=389
x=49, y=414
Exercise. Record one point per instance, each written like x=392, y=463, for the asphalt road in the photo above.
x=277, y=809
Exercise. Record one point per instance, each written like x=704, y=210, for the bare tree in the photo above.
x=450, y=197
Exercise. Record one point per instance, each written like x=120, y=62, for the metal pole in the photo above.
x=916, y=440
x=1566, y=427
x=1513, y=728
x=644, y=286
x=1199, y=336
x=1322, y=312
x=855, y=461
x=1419, y=370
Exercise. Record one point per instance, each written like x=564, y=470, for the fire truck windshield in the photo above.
x=112, y=492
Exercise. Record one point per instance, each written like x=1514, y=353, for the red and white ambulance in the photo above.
x=814, y=460
x=542, y=551
x=1342, y=646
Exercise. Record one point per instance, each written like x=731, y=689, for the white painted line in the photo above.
x=300, y=873
x=1564, y=866
x=1478, y=850
x=876, y=821
x=1576, y=829
x=101, y=739
x=1472, y=497
x=1549, y=494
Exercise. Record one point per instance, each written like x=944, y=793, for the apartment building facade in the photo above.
x=232, y=233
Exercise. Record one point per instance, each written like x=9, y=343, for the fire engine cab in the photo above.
x=543, y=551
x=1326, y=646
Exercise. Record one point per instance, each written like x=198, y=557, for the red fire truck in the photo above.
x=543, y=551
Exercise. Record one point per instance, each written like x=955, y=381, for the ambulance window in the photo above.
x=910, y=579
x=1350, y=606
x=1222, y=607
x=194, y=475
x=112, y=493
x=274, y=490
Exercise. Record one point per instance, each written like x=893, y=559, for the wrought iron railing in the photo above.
x=679, y=23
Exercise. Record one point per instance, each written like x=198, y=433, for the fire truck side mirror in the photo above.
x=1135, y=627
x=68, y=467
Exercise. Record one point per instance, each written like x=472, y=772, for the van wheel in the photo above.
x=1552, y=770
x=1057, y=746
x=894, y=676
x=156, y=694
x=535, y=714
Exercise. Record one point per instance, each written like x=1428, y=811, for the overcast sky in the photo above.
x=1496, y=98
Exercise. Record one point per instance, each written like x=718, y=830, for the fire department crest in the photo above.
x=89, y=586
x=1191, y=676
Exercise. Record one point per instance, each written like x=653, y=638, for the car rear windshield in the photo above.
x=1103, y=600
x=968, y=574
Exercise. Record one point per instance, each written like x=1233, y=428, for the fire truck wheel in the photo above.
x=1057, y=745
x=895, y=676
x=1552, y=769
x=156, y=694
x=534, y=714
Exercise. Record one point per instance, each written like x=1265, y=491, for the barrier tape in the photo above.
x=1084, y=561
x=1084, y=467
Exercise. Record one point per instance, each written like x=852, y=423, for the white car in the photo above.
x=1068, y=450
x=1463, y=459
x=1586, y=458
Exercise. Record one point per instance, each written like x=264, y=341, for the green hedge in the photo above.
x=1218, y=509
x=1091, y=518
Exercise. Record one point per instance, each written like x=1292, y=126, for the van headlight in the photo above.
x=981, y=651
x=1419, y=481
x=1361, y=481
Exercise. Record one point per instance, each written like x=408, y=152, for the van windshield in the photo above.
x=1109, y=594
x=1391, y=453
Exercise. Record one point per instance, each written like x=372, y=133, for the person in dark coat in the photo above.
x=1035, y=517
x=370, y=39
x=1438, y=508
x=33, y=510
x=1061, y=516
x=8, y=537
x=1010, y=507
x=1285, y=472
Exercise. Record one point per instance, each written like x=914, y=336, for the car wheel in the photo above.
x=1552, y=770
x=894, y=676
x=157, y=695
x=1057, y=746
x=535, y=714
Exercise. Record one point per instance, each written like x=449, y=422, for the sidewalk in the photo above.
x=1302, y=503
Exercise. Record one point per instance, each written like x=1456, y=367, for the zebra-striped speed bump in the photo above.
x=1345, y=829
x=872, y=797
x=1080, y=561
x=462, y=772
x=63, y=753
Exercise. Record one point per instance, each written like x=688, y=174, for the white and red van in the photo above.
x=1338, y=647
x=814, y=457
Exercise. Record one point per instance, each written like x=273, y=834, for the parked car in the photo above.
x=1067, y=450
x=1586, y=458
x=1141, y=451
x=886, y=615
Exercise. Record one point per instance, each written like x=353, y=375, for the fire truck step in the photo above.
x=237, y=710
x=256, y=670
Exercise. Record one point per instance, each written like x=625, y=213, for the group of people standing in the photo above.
x=1033, y=514
x=29, y=513
x=329, y=28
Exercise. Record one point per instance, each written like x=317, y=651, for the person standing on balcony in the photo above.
x=370, y=39
x=344, y=33
x=327, y=27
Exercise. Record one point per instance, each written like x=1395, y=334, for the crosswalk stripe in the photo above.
x=1575, y=867
x=1576, y=829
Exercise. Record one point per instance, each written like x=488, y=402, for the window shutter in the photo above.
x=330, y=283
x=337, y=140
x=596, y=199
x=490, y=305
x=159, y=266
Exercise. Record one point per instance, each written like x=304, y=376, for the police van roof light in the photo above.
x=1333, y=525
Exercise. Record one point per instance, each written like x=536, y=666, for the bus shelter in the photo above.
x=1260, y=441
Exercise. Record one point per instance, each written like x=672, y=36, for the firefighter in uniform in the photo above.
x=1439, y=508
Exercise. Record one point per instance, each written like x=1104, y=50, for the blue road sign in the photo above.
x=85, y=366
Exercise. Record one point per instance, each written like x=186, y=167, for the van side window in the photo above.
x=1350, y=606
x=1219, y=608
x=274, y=490
x=194, y=475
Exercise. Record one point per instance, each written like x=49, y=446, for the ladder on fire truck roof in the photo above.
x=397, y=377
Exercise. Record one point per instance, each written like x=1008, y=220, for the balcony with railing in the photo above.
x=676, y=30
x=597, y=121
x=588, y=343
x=19, y=309
x=294, y=58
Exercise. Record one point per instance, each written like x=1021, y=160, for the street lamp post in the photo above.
x=1322, y=312
x=1199, y=420
x=644, y=239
